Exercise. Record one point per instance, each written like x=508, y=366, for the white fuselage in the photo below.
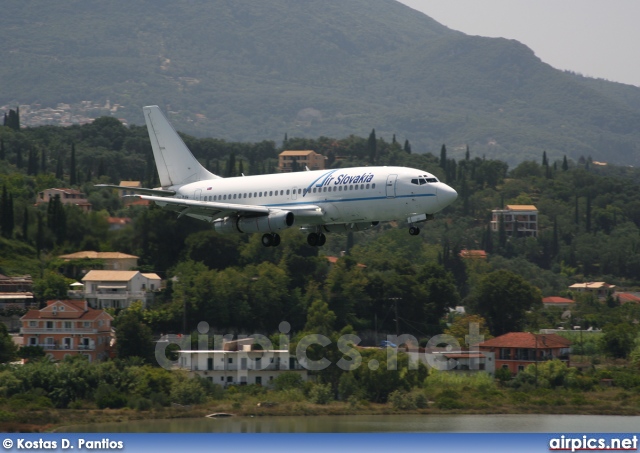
x=359, y=194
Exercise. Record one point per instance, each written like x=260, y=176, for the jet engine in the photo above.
x=339, y=227
x=276, y=221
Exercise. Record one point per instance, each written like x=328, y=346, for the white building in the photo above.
x=119, y=289
x=238, y=363
x=519, y=220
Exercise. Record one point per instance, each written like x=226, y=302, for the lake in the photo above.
x=374, y=423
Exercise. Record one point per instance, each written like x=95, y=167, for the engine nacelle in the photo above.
x=339, y=227
x=276, y=221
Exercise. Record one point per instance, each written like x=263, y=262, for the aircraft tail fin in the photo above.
x=175, y=163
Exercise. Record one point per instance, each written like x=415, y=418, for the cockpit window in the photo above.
x=423, y=180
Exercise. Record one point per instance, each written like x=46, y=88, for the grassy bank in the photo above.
x=606, y=401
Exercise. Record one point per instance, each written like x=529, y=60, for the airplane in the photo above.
x=319, y=201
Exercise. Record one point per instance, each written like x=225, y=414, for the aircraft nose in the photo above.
x=446, y=195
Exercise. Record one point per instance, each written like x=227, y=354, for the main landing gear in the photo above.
x=316, y=239
x=271, y=239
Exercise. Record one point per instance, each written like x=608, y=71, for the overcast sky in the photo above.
x=596, y=38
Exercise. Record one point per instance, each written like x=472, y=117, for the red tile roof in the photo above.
x=526, y=340
x=557, y=300
x=627, y=297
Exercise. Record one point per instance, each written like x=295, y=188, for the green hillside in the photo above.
x=249, y=71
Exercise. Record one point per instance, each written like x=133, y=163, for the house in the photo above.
x=128, y=187
x=112, y=260
x=289, y=161
x=66, y=328
x=118, y=223
x=516, y=350
x=119, y=288
x=461, y=362
x=598, y=289
x=67, y=197
x=128, y=190
x=16, y=291
x=626, y=298
x=473, y=254
x=518, y=220
x=239, y=363
x=556, y=301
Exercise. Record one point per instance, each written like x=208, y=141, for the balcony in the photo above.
x=65, y=347
x=44, y=330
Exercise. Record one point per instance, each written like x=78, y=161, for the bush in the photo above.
x=321, y=394
x=107, y=396
x=402, y=400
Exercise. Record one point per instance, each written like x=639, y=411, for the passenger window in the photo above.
x=373, y=185
x=367, y=186
x=299, y=191
x=287, y=191
x=282, y=192
x=351, y=187
x=249, y=194
x=355, y=187
x=271, y=193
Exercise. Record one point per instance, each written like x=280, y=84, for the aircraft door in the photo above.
x=391, y=186
x=197, y=194
x=294, y=193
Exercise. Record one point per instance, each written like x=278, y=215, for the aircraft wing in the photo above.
x=142, y=190
x=215, y=210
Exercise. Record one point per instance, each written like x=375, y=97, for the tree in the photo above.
x=72, y=166
x=372, y=147
x=443, y=157
x=8, y=349
x=133, y=336
x=407, y=147
x=618, y=340
x=463, y=329
x=503, y=298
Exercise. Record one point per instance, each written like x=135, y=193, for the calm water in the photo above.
x=375, y=423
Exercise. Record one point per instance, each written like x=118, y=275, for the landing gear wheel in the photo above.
x=276, y=240
x=312, y=239
x=267, y=240
x=321, y=239
x=414, y=231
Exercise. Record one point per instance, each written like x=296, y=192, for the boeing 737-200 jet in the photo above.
x=320, y=201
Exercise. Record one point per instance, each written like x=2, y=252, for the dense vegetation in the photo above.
x=589, y=230
x=244, y=70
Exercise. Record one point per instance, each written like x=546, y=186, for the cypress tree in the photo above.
x=545, y=162
x=443, y=157
x=43, y=161
x=3, y=153
x=59, y=170
x=372, y=147
x=565, y=164
x=407, y=147
x=25, y=224
x=72, y=166
x=18, y=156
x=467, y=154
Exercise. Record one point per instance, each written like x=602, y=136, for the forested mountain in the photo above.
x=248, y=71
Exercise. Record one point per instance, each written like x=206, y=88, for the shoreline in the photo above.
x=51, y=420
